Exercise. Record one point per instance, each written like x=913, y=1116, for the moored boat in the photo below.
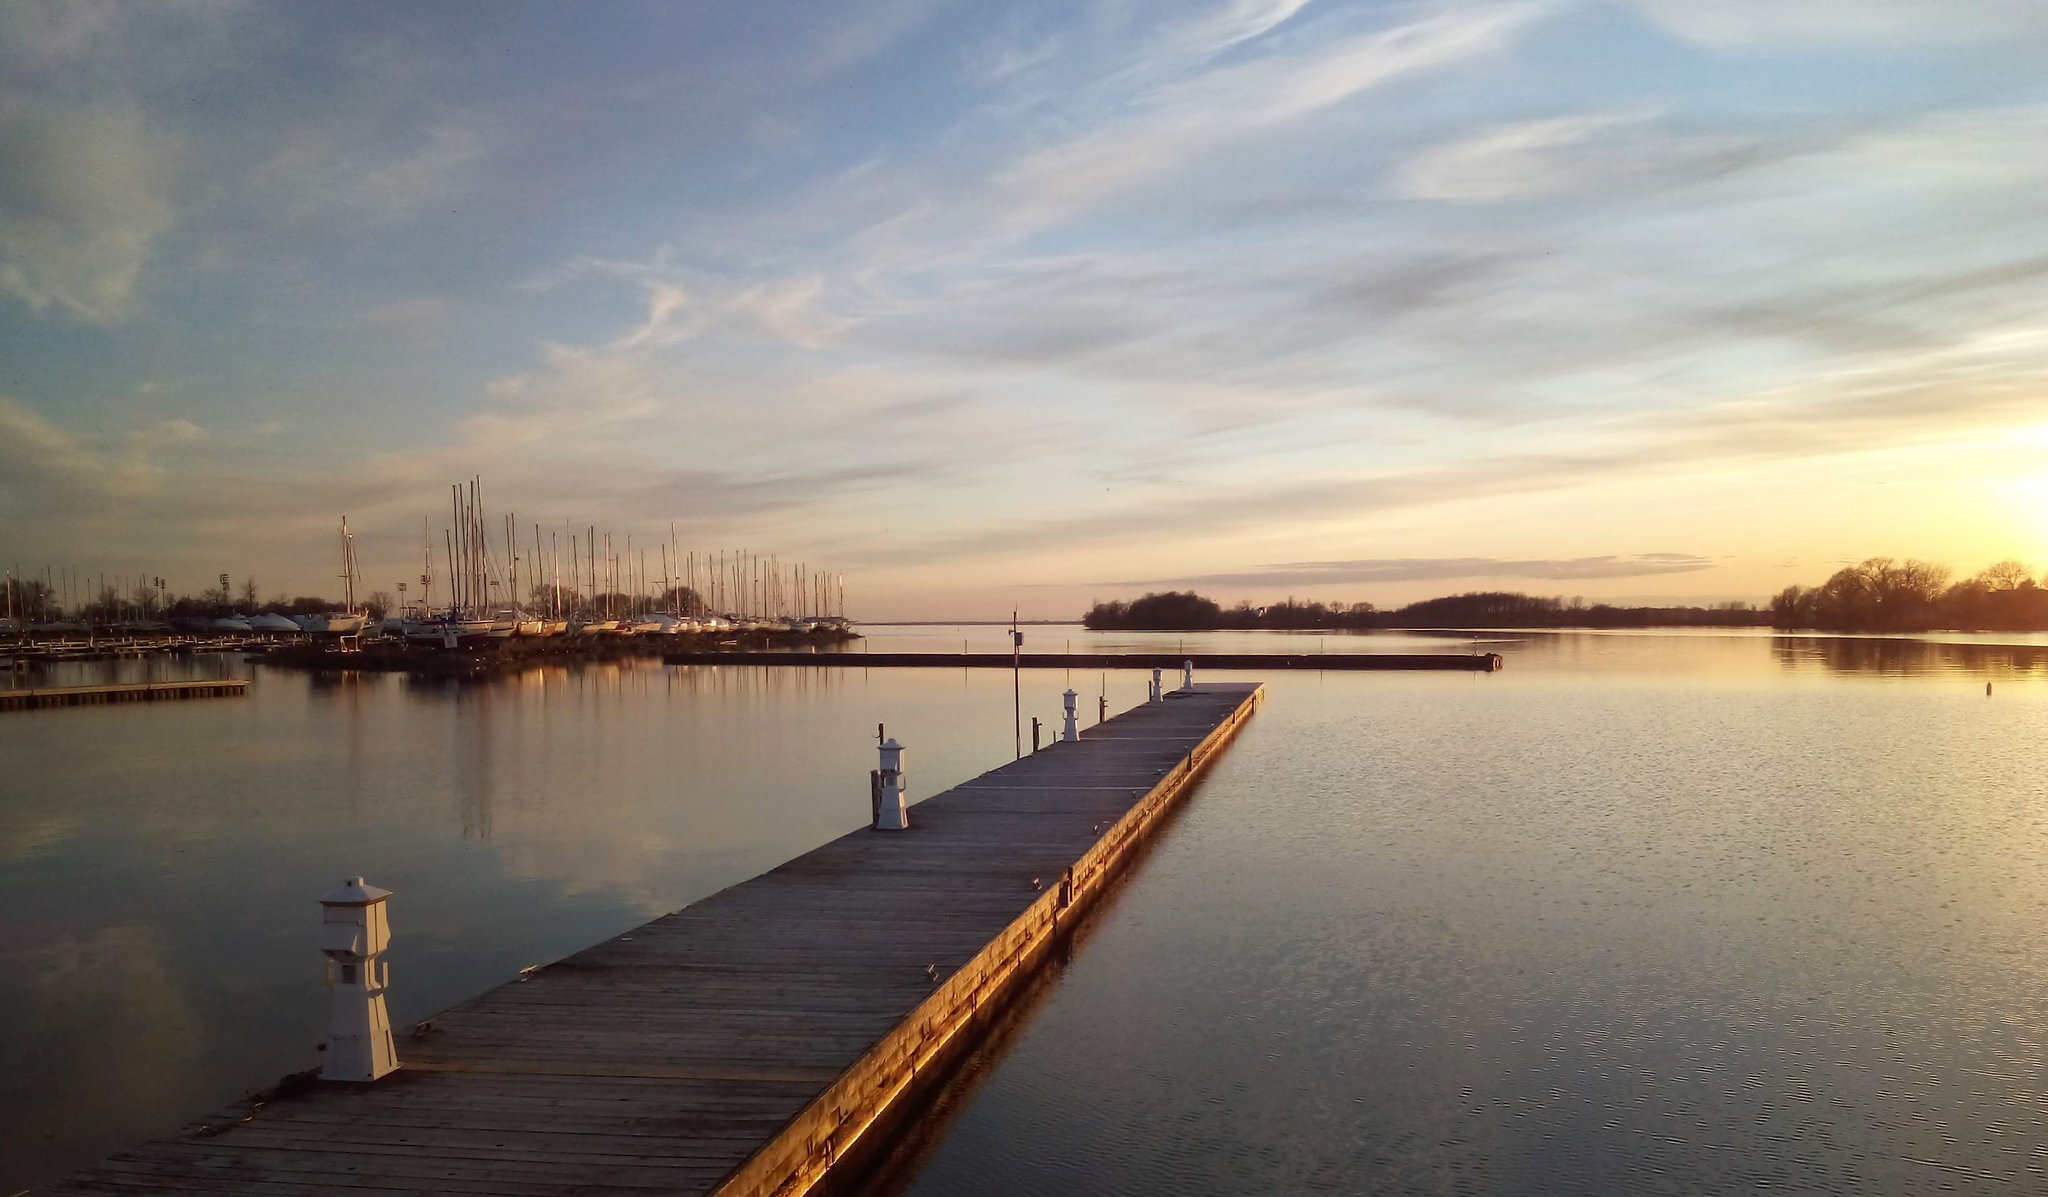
x=448, y=631
x=333, y=623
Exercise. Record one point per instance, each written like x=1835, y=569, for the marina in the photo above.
x=25, y=653
x=759, y=1041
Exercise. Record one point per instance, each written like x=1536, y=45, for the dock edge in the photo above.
x=913, y=1060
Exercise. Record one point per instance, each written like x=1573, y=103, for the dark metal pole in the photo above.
x=1017, y=682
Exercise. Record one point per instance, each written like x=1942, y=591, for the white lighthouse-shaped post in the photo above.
x=891, y=813
x=1158, y=687
x=1070, y=730
x=354, y=932
x=1187, y=674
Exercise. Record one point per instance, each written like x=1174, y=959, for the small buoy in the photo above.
x=1987, y=689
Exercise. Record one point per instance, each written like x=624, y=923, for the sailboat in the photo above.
x=450, y=627
x=348, y=621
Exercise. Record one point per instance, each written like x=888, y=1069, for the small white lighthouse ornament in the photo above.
x=354, y=933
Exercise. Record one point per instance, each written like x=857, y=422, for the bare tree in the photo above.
x=2006, y=575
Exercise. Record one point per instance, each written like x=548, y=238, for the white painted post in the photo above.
x=894, y=814
x=1187, y=674
x=1072, y=730
x=1158, y=687
x=354, y=932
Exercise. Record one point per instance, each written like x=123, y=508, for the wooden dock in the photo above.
x=1472, y=662
x=755, y=1043
x=73, y=696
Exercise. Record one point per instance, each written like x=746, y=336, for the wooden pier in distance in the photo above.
x=755, y=1043
x=1472, y=662
x=73, y=696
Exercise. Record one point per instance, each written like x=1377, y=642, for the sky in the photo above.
x=1017, y=306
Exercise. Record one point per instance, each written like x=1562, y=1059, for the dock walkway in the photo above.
x=1473, y=662
x=72, y=696
x=753, y=1040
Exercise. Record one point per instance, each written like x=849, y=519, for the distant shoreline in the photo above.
x=1190, y=612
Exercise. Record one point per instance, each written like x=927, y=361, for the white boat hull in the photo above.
x=448, y=633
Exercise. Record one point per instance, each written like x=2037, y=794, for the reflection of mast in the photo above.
x=473, y=777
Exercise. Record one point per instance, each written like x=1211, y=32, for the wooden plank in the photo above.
x=752, y=1041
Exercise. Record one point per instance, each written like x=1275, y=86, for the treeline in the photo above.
x=33, y=601
x=1878, y=595
x=1188, y=611
x=1883, y=595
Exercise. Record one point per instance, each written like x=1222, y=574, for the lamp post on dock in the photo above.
x=891, y=812
x=1070, y=730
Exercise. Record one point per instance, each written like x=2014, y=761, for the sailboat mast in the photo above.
x=348, y=570
x=480, y=587
x=455, y=578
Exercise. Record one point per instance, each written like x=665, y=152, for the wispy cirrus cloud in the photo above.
x=1231, y=24
x=1186, y=119
x=989, y=292
x=1768, y=22
x=87, y=193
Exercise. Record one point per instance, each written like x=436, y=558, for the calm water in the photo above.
x=1641, y=913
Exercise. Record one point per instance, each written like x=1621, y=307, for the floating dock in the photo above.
x=74, y=696
x=757, y=1042
x=1472, y=662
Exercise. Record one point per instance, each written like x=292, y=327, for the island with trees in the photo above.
x=1186, y=611
x=1877, y=595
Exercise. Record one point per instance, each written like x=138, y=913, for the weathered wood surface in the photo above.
x=72, y=696
x=752, y=1040
x=1205, y=662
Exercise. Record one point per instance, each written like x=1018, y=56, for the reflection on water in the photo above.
x=1883, y=655
x=1717, y=923
x=1642, y=912
x=160, y=862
